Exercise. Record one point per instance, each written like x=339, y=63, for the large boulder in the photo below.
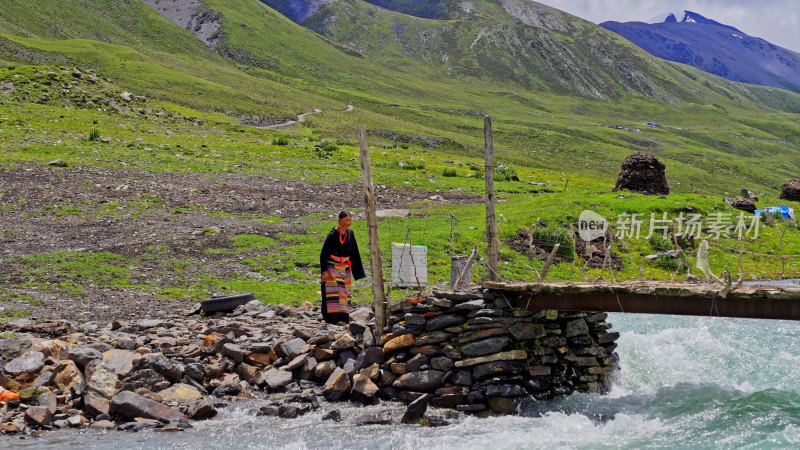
x=744, y=204
x=68, y=376
x=130, y=405
x=791, y=190
x=642, y=172
x=25, y=367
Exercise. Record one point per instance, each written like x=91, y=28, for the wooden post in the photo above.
x=372, y=228
x=493, y=250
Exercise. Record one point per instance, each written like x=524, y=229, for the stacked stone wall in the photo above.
x=473, y=353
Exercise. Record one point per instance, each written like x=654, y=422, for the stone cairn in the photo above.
x=791, y=190
x=464, y=351
x=642, y=172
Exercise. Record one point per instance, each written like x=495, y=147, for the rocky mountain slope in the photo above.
x=715, y=48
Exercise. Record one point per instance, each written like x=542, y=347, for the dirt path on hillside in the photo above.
x=301, y=118
x=129, y=213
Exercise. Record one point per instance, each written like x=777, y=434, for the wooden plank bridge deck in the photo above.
x=648, y=297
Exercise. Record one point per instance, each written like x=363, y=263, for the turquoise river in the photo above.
x=684, y=382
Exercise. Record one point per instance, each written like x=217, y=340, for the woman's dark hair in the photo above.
x=343, y=214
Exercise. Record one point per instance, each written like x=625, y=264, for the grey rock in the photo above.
x=321, y=338
x=146, y=378
x=436, y=421
x=442, y=363
x=227, y=389
x=444, y=321
x=29, y=364
x=268, y=411
x=416, y=409
x=576, y=328
x=44, y=379
x=505, y=390
x=124, y=343
x=472, y=305
x=462, y=378
x=419, y=381
x=216, y=370
x=15, y=347
x=129, y=405
x=38, y=415
x=166, y=368
x=525, y=330
x=364, y=390
x=49, y=400
x=288, y=411
x=103, y=425
x=345, y=341
x=76, y=422
x=135, y=427
x=57, y=163
x=414, y=319
x=337, y=385
x=334, y=415
x=293, y=348
x=324, y=369
x=234, y=352
x=95, y=405
x=277, y=379
x=504, y=405
x=260, y=347
x=457, y=296
x=195, y=370
x=119, y=361
x=295, y=363
x=82, y=356
x=356, y=328
x=376, y=418
x=485, y=347
x=361, y=315
x=497, y=368
x=417, y=363
x=368, y=357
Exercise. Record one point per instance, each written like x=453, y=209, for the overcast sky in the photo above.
x=777, y=21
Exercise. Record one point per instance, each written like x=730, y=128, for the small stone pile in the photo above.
x=471, y=352
x=642, y=172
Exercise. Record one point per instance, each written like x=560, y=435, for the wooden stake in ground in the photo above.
x=493, y=250
x=372, y=228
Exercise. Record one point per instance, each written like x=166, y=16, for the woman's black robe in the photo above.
x=333, y=246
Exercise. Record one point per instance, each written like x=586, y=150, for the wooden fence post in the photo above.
x=493, y=250
x=372, y=228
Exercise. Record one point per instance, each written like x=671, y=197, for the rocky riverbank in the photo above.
x=463, y=351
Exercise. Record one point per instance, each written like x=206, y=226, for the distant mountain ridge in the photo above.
x=715, y=48
x=300, y=10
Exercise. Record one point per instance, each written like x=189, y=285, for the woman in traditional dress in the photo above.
x=340, y=263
